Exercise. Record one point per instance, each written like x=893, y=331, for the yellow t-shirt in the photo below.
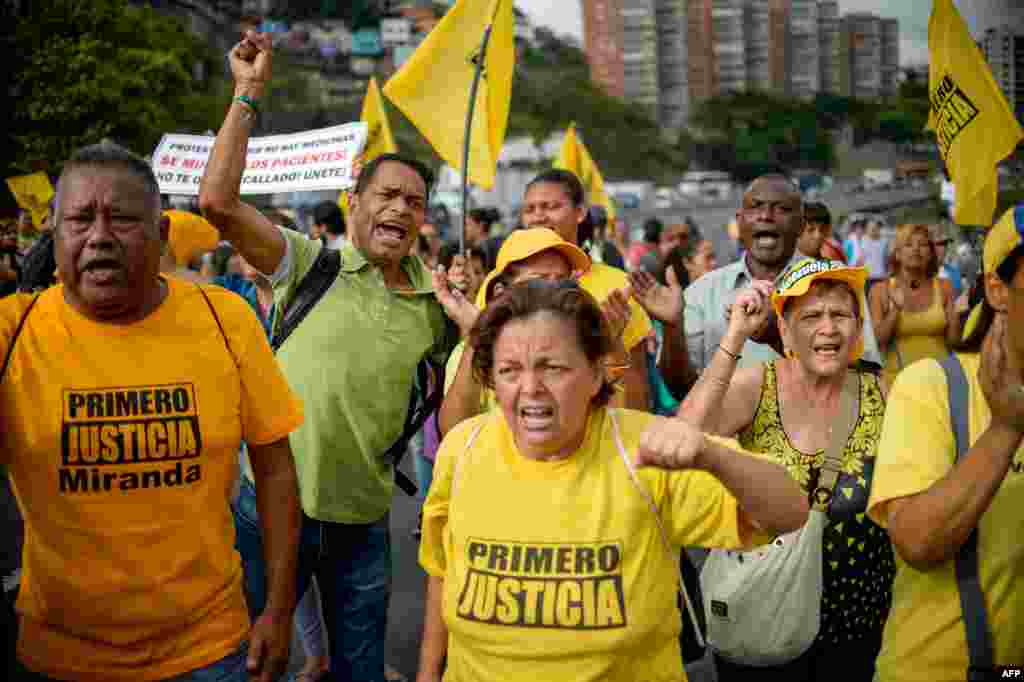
x=924, y=637
x=556, y=570
x=122, y=446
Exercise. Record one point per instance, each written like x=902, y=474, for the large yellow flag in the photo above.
x=573, y=156
x=33, y=193
x=379, y=139
x=973, y=123
x=433, y=87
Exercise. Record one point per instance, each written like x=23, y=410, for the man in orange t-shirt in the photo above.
x=124, y=397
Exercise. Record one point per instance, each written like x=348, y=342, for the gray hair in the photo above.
x=108, y=153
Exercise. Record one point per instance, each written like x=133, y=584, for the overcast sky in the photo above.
x=566, y=16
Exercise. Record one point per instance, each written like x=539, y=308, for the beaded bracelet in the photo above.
x=249, y=102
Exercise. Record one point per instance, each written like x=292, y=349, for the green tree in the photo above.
x=751, y=133
x=84, y=71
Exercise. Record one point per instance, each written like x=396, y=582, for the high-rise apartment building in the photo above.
x=983, y=15
x=759, y=43
x=702, y=68
x=640, y=53
x=868, y=60
x=828, y=45
x=778, y=48
x=1004, y=50
x=728, y=28
x=669, y=55
x=602, y=43
x=803, y=64
x=890, y=57
x=673, y=82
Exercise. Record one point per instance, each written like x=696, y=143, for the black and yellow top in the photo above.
x=857, y=561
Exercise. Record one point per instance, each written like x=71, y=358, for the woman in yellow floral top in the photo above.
x=786, y=408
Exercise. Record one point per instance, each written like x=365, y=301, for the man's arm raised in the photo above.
x=248, y=230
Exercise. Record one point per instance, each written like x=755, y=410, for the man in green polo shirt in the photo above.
x=352, y=360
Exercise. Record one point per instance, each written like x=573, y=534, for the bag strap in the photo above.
x=661, y=526
x=457, y=468
x=849, y=410
x=216, y=318
x=972, y=600
x=418, y=413
x=415, y=417
x=14, y=338
x=311, y=289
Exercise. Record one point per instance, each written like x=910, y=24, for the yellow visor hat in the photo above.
x=522, y=244
x=1002, y=240
x=797, y=281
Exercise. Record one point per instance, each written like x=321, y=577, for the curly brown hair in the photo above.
x=562, y=298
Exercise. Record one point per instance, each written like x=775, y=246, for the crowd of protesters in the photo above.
x=201, y=418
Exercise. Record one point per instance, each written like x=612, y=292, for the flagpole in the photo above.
x=481, y=58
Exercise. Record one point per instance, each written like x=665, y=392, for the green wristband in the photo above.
x=249, y=102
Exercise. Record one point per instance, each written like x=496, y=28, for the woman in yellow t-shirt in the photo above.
x=914, y=311
x=552, y=530
x=934, y=505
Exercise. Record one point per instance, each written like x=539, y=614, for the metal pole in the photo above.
x=469, y=129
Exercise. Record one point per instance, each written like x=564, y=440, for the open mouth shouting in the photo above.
x=103, y=271
x=827, y=350
x=391, y=234
x=765, y=239
x=537, y=418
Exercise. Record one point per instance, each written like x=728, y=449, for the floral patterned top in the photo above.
x=858, y=565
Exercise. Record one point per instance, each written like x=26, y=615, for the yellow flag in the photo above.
x=379, y=139
x=433, y=87
x=33, y=193
x=573, y=156
x=973, y=123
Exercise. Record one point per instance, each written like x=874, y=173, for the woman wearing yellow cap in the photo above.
x=955, y=515
x=537, y=253
x=786, y=409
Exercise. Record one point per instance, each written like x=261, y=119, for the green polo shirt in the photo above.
x=352, y=361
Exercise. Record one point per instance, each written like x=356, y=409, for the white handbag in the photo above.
x=763, y=606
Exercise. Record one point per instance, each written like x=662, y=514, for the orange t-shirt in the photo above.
x=122, y=442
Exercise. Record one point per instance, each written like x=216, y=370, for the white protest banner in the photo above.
x=308, y=161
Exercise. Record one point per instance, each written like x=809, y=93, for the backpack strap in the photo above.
x=311, y=289
x=14, y=338
x=415, y=417
x=972, y=600
x=662, y=532
x=216, y=318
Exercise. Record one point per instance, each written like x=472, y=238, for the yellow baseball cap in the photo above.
x=797, y=281
x=522, y=244
x=1002, y=240
x=190, y=236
